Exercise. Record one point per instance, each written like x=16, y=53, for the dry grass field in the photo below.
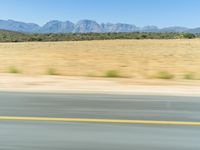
x=129, y=58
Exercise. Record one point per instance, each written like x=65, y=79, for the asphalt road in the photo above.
x=60, y=135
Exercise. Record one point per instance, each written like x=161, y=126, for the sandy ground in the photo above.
x=132, y=58
x=63, y=84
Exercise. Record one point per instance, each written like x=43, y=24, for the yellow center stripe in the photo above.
x=99, y=120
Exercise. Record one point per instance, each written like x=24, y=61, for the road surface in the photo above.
x=40, y=131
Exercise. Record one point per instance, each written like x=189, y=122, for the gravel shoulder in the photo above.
x=63, y=84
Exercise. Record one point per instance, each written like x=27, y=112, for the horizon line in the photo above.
x=75, y=22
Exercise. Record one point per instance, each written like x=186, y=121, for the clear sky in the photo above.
x=139, y=12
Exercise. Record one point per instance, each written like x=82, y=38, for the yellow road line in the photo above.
x=99, y=120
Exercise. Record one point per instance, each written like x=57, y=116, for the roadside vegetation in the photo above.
x=190, y=76
x=164, y=75
x=14, y=70
x=52, y=71
x=112, y=74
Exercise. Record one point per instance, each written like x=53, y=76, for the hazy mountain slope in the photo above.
x=18, y=26
x=85, y=26
x=57, y=27
x=174, y=29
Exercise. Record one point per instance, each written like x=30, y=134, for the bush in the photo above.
x=11, y=36
x=165, y=75
x=13, y=69
x=189, y=76
x=112, y=74
x=189, y=36
x=52, y=71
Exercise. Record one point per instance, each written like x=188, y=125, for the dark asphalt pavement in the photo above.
x=55, y=135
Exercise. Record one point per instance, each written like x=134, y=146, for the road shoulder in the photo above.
x=62, y=84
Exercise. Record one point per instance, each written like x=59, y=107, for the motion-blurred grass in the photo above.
x=132, y=58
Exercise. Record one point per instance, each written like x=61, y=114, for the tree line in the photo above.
x=11, y=36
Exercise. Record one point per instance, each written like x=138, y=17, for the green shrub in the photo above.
x=189, y=36
x=13, y=69
x=189, y=76
x=165, y=75
x=11, y=36
x=112, y=74
x=52, y=71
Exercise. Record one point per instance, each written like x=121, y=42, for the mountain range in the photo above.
x=84, y=26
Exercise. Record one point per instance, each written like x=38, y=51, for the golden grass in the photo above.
x=133, y=58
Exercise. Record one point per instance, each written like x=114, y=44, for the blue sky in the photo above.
x=139, y=12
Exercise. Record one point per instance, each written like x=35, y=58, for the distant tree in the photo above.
x=189, y=35
x=10, y=36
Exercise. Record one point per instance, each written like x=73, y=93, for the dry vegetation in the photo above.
x=129, y=58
